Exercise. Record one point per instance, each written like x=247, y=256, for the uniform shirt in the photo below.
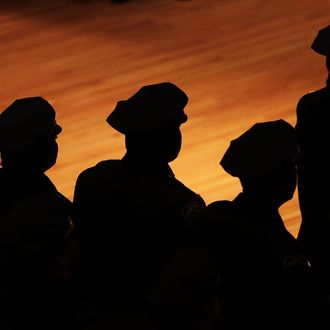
x=17, y=186
x=262, y=267
x=34, y=220
x=128, y=218
x=33, y=211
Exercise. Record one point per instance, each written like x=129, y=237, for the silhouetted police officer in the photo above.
x=266, y=277
x=34, y=222
x=312, y=126
x=129, y=211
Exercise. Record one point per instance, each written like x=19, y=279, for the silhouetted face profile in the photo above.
x=150, y=120
x=264, y=159
x=28, y=132
x=162, y=146
x=47, y=154
x=170, y=141
x=274, y=188
x=38, y=157
x=285, y=181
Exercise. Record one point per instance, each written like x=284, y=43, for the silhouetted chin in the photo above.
x=45, y=156
x=173, y=157
x=285, y=199
x=50, y=164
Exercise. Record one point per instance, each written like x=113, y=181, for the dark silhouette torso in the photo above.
x=29, y=296
x=129, y=217
x=253, y=247
x=313, y=171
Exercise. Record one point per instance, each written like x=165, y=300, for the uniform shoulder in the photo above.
x=225, y=208
x=102, y=167
x=314, y=96
x=36, y=222
x=94, y=179
x=311, y=105
x=215, y=213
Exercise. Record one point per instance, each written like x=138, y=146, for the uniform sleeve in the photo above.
x=303, y=120
x=304, y=163
x=309, y=166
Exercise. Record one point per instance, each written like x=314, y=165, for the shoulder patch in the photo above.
x=195, y=205
x=295, y=261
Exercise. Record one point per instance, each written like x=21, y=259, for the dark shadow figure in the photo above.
x=313, y=117
x=266, y=277
x=129, y=212
x=187, y=295
x=36, y=250
x=184, y=297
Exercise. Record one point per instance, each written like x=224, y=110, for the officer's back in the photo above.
x=129, y=211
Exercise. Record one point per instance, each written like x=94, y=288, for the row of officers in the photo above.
x=137, y=249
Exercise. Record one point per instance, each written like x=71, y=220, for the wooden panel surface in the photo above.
x=240, y=62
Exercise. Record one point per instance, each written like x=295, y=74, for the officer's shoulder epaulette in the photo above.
x=220, y=206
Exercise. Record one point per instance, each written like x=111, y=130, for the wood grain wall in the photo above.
x=240, y=62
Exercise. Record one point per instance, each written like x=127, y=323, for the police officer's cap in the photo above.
x=321, y=43
x=149, y=109
x=264, y=148
x=25, y=121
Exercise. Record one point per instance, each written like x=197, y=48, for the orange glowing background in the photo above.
x=239, y=61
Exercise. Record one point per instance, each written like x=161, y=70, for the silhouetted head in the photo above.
x=161, y=146
x=321, y=43
x=28, y=132
x=150, y=120
x=264, y=159
x=274, y=188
